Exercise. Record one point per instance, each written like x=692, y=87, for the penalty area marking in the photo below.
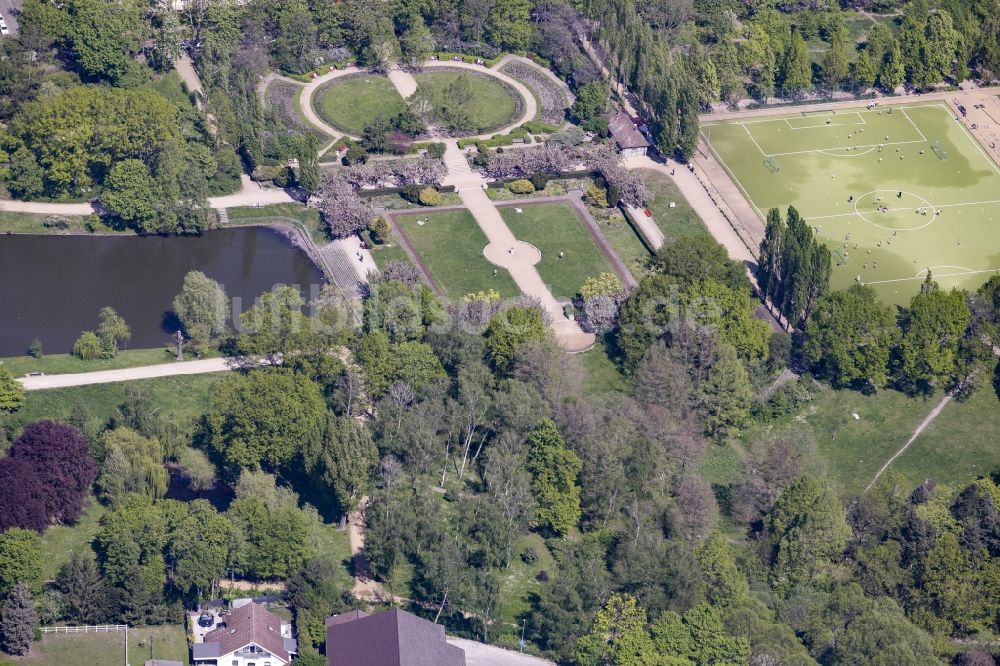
x=922, y=275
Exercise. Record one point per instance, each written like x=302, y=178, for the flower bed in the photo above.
x=552, y=97
x=283, y=106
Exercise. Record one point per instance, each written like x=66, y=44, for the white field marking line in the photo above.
x=749, y=134
x=892, y=210
x=937, y=275
x=863, y=122
x=826, y=152
x=780, y=118
x=907, y=116
x=736, y=181
x=965, y=271
x=864, y=145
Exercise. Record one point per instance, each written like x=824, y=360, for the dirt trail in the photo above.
x=916, y=433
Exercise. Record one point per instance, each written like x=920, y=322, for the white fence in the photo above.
x=86, y=629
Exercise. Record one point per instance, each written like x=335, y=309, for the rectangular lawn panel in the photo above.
x=491, y=105
x=450, y=244
x=169, y=642
x=351, y=103
x=681, y=220
x=891, y=194
x=555, y=228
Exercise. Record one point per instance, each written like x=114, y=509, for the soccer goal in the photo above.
x=772, y=165
x=839, y=257
x=939, y=150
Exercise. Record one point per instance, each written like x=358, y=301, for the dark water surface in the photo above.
x=51, y=287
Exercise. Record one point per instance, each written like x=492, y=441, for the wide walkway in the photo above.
x=702, y=203
x=198, y=367
x=506, y=251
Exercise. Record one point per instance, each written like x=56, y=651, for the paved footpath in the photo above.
x=504, y=250
x=198, y=367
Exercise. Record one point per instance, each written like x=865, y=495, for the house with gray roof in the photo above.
x=391, y=638
x=250, y=635
x=630, y=141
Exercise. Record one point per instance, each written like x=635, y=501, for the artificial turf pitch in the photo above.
x=893, y=195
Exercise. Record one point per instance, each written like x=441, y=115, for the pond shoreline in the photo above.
x=293, y=232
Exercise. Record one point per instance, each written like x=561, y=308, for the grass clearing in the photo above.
x=186, y=397
x=34, y=223
x=555, y=228
x=878, y=190
x=450, y=244
x=330, y=543
x=171, y=87
x=520, y=581
x=623, y=239
x=600, y=373
x=60, y=364
x=491, y=106
x=59, y=542
x=169, y=642
x=351, y=102
x=681, y=220
x=959, y=445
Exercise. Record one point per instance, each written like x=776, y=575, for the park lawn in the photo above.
x=519, y=581
x=681, y=220
x=855, y=449
x=351, y=103
x=186, y=397
x=171, y=87
x=34, y=223
x=491, y=105
x=60, y=364
x=169, y=642
x=959, y=445
x=451, y=244
x=555, y=228
x=892, y=195
x=282, y=213
x=60, y=541
x=600, y=373
x=623, y=239
x=330, y=543
x=383, y=253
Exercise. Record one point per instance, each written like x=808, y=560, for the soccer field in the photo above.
x=892, y=194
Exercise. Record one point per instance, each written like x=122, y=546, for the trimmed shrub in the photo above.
x=430, y=197
x=596, y=196
x=522, y=186
x=436, y=150
x=539, y=180
x=411, y=192
x=380, y=229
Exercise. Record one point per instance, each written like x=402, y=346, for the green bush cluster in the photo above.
x=521, y=186
x=430, y=197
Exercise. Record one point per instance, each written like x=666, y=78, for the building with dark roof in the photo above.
x=250, y=635
x=391, y=638
x=629, y=140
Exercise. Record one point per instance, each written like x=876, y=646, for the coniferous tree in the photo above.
x=18, y=620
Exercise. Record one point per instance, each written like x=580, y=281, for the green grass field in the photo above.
x=555, y=228
x=351, y=103
x=60, y=541
x=681, y=220
x=958, y=446
x=451, y=245
x=881, y=198
x=491, y=106
x=108, y=649
x=58, y=364
x=186, y=397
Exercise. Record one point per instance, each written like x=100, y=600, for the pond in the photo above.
x=51, y=287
